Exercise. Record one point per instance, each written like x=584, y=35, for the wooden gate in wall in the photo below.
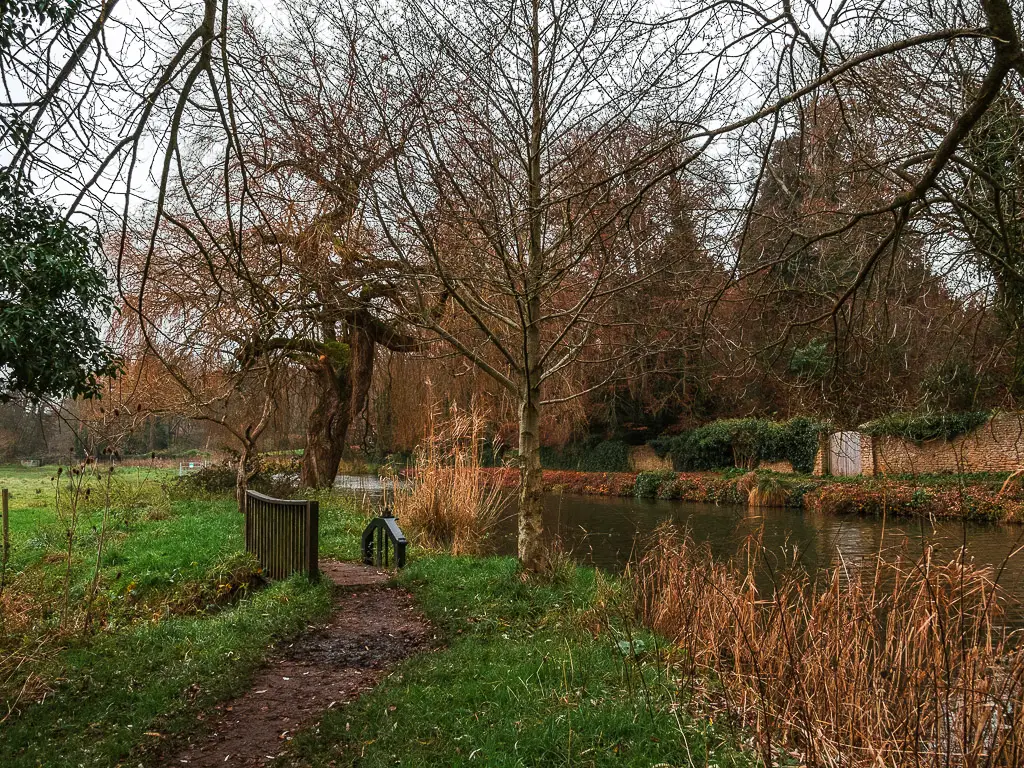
x=844, y=453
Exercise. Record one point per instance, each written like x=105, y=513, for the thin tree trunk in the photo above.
x=243, y=473
x=532, y=552
x=363, y=345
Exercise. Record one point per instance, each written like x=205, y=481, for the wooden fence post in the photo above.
x=7, y=534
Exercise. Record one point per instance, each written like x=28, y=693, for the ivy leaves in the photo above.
x=53, y=300
x=928, y=426
x=741, y=442
x=18, y=17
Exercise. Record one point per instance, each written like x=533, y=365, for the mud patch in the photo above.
x=372, y=628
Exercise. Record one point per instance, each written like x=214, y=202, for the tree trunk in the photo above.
x=243, y=473
x=327, y=426
x=532, y=552
x=364, y=346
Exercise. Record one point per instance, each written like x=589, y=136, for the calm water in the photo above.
x=605, y=531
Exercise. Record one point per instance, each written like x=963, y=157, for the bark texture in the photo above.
x=328, y=422
x=531, y=549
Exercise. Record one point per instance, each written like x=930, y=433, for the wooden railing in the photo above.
x=283, y=534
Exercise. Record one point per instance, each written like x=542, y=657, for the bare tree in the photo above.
x=186, y=345
x=312, y=140
x=544, y=128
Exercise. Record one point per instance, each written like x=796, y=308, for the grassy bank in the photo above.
x=101, y=665
x=974, y=497
x=529, y=674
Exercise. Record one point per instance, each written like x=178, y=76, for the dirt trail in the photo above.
x=372, y=628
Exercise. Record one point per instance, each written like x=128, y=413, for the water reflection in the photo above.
x=605, y=531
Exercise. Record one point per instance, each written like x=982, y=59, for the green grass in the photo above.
x=122, y=688
x=529, y=674
x=165, y=644
x=523, y=681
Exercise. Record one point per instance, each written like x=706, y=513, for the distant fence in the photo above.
x=283, y=534
x=185, y=467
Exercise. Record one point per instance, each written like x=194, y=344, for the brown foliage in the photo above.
x=907, y=664
x=447, y=503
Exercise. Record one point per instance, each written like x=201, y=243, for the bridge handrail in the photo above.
x=386, y=532
x=283, y=534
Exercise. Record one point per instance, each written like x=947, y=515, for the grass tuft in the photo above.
x=447, y=505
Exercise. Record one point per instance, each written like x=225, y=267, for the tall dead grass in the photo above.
x=446, y=502
x=908, y=665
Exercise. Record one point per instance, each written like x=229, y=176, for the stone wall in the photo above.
x=867, y=455
x=776, y=466
x=642, y=458
x=821, y=456
x=997, y=446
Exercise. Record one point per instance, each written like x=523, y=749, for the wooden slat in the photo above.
x=282, y=534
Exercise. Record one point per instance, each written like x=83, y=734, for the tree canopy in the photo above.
x=53, y=299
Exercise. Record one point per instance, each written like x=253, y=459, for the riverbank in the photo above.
x=131, y=670
x=553, y=672
x=938, y=497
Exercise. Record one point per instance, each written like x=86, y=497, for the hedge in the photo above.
x=744, y=442
x=593, y=455
x=928, y=426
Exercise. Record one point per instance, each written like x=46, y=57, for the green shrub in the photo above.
x=677, y=488
x=648, y=484
x=797, y=491
x=606, y=456
x=214, y=479
x=744, y=442
x=928, y=426
x=800, y=443
x=220, y=479
x=593, y=455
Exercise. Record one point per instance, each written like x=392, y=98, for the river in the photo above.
x=604, y=531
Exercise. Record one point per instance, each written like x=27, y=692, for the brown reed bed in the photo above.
x=446, y=502
x=909, y=664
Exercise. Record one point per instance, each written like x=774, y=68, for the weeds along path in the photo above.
x=372, y=628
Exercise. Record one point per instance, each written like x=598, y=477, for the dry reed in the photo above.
x=763, y=491
x=446, y=502
x=907, y=665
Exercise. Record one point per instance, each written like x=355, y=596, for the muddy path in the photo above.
x=372, y=628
